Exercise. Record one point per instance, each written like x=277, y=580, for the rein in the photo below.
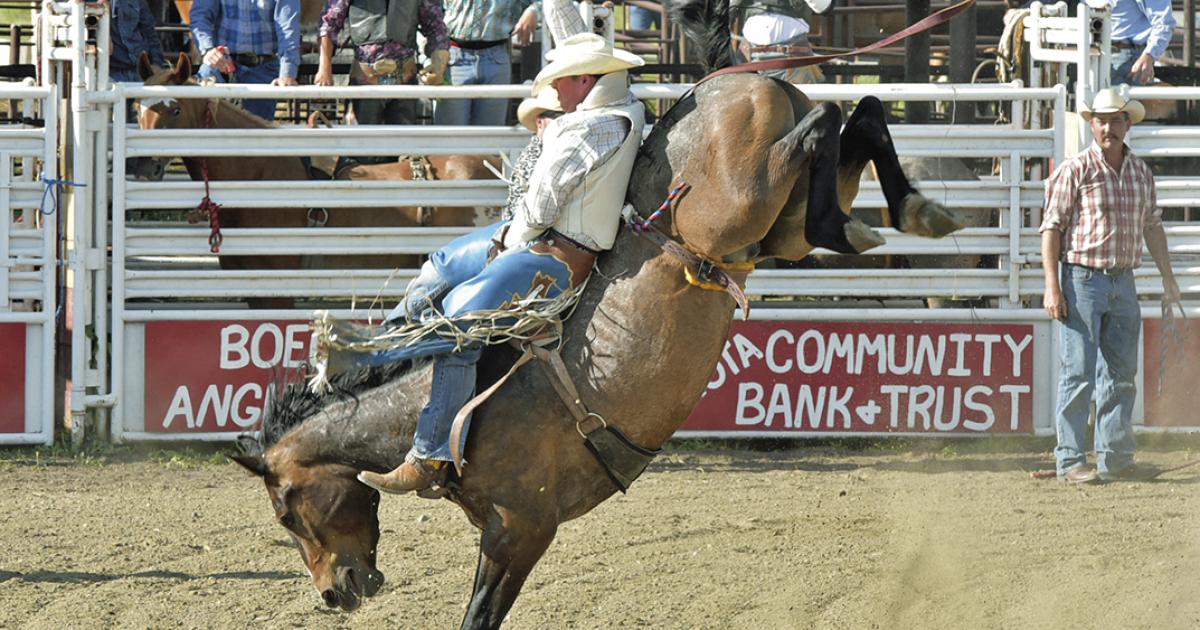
x=920, y=26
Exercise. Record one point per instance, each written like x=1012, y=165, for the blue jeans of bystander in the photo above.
x=487, y=66
x=1122, y=62
x=1098, y=349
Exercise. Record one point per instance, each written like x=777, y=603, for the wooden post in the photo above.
x=963, y=31
x=1189, y=33
x=916, y=59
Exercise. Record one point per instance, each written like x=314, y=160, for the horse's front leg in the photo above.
x=508, y=550
x=866, y=138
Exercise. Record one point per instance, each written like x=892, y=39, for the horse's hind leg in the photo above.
x=866, y=138
x=825, y=224
x=508, y=551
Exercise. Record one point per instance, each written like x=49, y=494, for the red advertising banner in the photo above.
x=1169, y=398
x=863, y=377
x=12, y=378
x=218, y=375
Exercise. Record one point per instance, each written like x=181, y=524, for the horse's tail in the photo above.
x=706, y=23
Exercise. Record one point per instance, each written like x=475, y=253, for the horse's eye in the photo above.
x=174, y=111
x=288, y=520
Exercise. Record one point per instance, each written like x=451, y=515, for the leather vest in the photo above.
x=379, y=21
x=594, y=210
x=747, y=8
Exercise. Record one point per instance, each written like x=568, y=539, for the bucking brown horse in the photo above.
x=767, y=171
x=192, y=114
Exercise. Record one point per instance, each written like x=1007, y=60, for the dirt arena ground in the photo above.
x=890, y=536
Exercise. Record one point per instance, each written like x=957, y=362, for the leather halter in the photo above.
x=701, y=271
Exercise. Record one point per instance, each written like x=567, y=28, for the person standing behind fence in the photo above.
x=384, y=33
x=248, y=41
x=1141, y=32
x=480, y=31
x=1100, y=205
x=132, y=29
x=773, y=29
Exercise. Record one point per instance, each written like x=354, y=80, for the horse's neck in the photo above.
x=650, y=343
x=226, y=116
x=371, y=432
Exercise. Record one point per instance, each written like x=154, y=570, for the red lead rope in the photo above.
x=208, y=209
x=212, y=210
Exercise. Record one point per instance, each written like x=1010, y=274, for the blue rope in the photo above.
x=53, y=189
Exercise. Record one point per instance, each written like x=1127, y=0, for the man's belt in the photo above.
x=472, y=44
x=1108, y=271
x=795, y=51
x=252, y=59
x=403, y=69
x=1125, y=43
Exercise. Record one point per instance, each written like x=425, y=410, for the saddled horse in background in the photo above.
x=769, y=174
x=191, y=114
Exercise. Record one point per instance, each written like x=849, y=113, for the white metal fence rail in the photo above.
x=28, y=170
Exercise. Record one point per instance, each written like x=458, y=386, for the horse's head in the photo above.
x=332, y=517
x=168, y=113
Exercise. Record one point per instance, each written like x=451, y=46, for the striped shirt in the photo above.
x=264, y=27
x=483, y=20
x=1101, y=213
x=571, y=148
x=429, y=22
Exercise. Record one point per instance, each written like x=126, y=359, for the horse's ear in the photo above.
x=254, y=463
x=182, y=71
x=145, y=68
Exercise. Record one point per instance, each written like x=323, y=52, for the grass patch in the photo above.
x=15, y=16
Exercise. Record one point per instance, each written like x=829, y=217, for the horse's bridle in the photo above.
x=700, y=270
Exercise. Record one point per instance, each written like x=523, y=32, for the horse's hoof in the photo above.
x=860, y=236
x=925, y=217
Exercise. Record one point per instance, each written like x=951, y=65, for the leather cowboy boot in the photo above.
x=413, y=474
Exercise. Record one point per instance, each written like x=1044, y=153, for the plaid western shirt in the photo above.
x=264, y=27
x=572, y=147
x=1101, y=213
x=483, y=20
x=429, y=21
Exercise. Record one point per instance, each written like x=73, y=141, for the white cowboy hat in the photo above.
x=584, y=53
x=1112, y=100
x=530, y=108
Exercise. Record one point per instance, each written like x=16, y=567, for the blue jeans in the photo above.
x=263, y=73
x=1122, y=62
x=1098, y=349
x=459, y=279
x=489, y=66
x=644, y=19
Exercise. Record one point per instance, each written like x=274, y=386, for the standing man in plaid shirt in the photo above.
x=1100, y=205
x=248, y=41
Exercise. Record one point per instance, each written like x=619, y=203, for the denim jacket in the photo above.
x=133, y=33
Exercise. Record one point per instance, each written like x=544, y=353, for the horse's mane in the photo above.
x=706, y=23
x=296, y=403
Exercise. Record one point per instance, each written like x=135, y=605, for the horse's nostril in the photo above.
x=330, y=597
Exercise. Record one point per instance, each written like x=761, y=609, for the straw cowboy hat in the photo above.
x=1113, y=100
x=584, y=53
x=530, y=108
